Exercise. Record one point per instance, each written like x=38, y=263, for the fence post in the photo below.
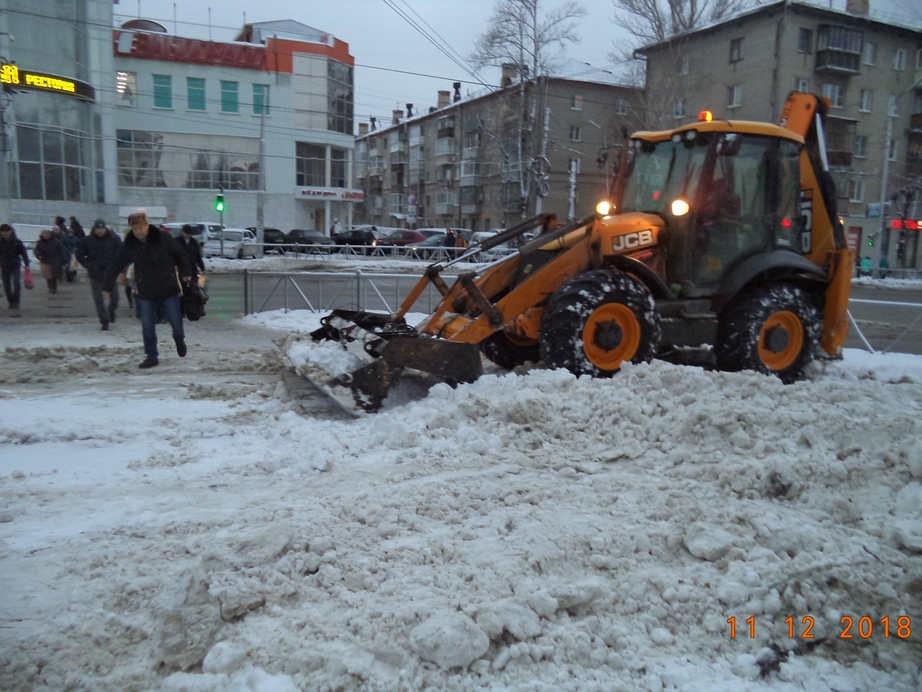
x=358, y=288
x=246, y=292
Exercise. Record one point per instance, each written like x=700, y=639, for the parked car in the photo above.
x=301, y=237
x=203, y=230
x=274, y=240
x=429, y=232
x=429, y=248
x=238, y=243
x=402, y=238
x=358, y=237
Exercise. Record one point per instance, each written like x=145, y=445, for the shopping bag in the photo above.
x=27, y=279
x=193, y=302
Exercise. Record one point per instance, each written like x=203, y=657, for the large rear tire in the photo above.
x=597, y=321
x=772, y=329
x=509, y=351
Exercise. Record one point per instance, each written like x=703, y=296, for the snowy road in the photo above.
x=201, y=527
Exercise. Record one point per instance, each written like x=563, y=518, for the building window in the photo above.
x=899, y=59
x=861, y=146
x=855, y=190
x=678, y=108
x=186, y=161
x=734, y=96
x=805, y=41
x=867, y=101
x=801, y=84
x=229, y=97
x=573, y=166
x=52, y=164
x=163, y=91
x=575, y=133
x=260, y=99
x=576, y=103
x=195, y=93
x=836, y=94
x=310, y=165
x=870, y=53
x=736, y=50
x=340, y=102
x=893, y=105
x=337, y=167
x=621, y=107
x=126, y=85
x=891, y=155
x=683, y=67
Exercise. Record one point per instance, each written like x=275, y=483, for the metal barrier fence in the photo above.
x=323, y=291
x=888, y=303
x=428, y=254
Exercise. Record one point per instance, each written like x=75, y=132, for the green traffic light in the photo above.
x=870, y=240
x=219, y=203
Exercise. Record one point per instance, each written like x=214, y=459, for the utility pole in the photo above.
x=875, y=259
x=261, y=183
x=6, y=202
x=542, y=181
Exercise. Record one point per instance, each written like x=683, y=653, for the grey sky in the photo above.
x=395, y=63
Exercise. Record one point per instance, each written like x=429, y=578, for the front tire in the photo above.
x=772, y=329
x=597, y=321
x=509, y=351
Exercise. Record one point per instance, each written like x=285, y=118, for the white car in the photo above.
x=238, y=243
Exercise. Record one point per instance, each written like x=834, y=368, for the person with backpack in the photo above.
x=96, y=252
x=52, y=257
x=12, y=256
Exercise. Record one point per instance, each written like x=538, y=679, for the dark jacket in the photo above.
x=77, y=229
x=12, y=251
x=50, y=251
x=155, y=260
x=96, y=254
x=194, y=252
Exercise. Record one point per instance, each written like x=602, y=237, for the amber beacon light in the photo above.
x=705, y=116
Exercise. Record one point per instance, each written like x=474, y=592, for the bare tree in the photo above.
x=521, y=32
x=652, y=21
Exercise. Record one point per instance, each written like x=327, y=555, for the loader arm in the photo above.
x=824, y=241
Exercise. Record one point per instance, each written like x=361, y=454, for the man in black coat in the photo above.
x=192, y=249
x=156, y=256
x=12, y=256
x=96, y=252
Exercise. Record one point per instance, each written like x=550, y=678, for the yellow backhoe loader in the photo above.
x=720, y=237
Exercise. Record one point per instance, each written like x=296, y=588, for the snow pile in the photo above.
x=529, y=531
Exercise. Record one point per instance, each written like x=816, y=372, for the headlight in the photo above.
x=679, y=207
x=604, y=207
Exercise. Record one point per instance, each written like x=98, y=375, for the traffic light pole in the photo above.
x=219, y=207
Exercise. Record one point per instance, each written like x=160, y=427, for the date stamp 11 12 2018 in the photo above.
x=851, y=627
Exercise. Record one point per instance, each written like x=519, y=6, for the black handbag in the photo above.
x=193, y=301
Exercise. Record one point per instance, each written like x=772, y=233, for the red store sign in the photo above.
x=155, y=46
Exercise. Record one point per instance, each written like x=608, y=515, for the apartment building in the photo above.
x=100, y=121
x=871, y=71
x=491, y=159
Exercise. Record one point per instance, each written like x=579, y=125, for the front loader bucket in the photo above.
x=350, y=325
x=447, y=360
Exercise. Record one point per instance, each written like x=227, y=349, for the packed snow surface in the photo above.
x=215, y=524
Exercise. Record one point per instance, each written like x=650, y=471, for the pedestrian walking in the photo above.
x=96, y=252
x=51, y=255
x=67, y=239
x=77, y=228
x=156, y=257
x=192, y=249
x=12, y=256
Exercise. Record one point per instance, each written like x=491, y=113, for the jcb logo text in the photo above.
x=629, y=241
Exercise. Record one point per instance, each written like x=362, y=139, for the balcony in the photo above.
x=839, y=158
x=915, y=123
x=838, y=62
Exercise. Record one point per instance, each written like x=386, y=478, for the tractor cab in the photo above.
x=725, y=194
